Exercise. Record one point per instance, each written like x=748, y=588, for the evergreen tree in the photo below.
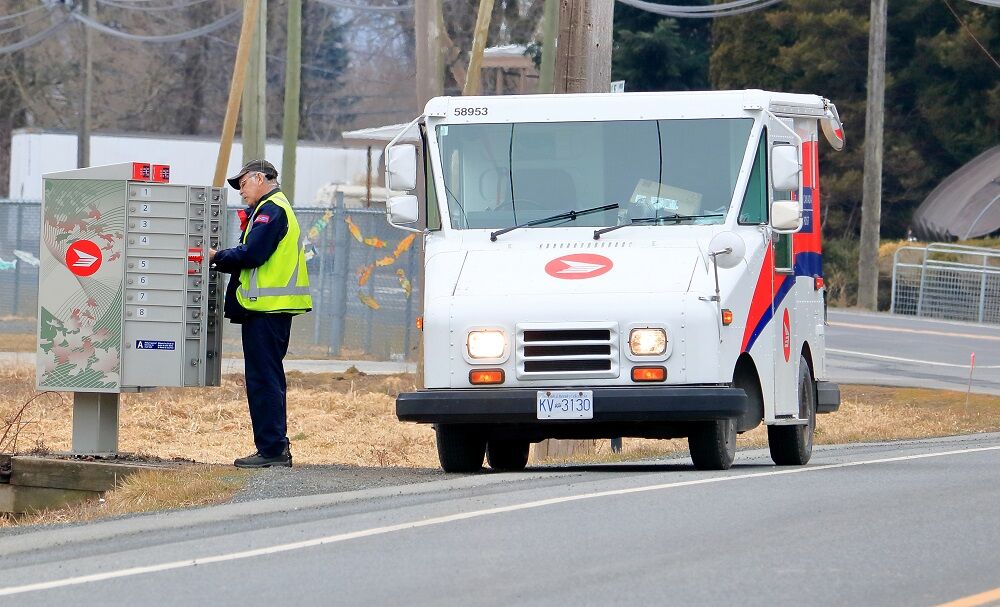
x=656, y=53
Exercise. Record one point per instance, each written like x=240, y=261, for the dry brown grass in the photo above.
x=180, y=487
x=346, y=418
x=18, y=342
x=350, y=418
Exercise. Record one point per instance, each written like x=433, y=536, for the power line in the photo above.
x=358, y=7
x=22, y=13
x=726, y=9
x=171, y=7
x=993, y=3
x=201, y=31
x=46, y=33
x=971, y=35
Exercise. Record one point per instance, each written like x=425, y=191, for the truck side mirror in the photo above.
x=786, y=215
x=785, y=168
x=401, y=168
x=402, y=209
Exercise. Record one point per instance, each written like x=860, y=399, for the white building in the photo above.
x=192, y=160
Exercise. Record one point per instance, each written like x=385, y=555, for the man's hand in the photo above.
x=211, y=255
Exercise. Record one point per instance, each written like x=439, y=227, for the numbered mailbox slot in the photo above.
x=154, y=265
x=214, y=242
x=140, y=280
x=192, y=362
x=141, y=208
x=147, y=192
x=198, y=194
x=194, y=314
x=152, y=354
x=194, y=283
x=197, y=211
x=161, y=225
x=153, y=313
x=167, y=242
x=193, y=330
x=196, y=242
x=194, y=298
x=196, y=227
x=154, y=297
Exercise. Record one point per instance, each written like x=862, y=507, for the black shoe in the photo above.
x=256, y=460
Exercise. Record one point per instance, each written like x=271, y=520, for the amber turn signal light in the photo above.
x=486, y=376
x=649, y=374
x=727, y=317
x=419, y=323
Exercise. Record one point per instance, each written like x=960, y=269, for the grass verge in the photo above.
x=188, y=486
x=349, y=418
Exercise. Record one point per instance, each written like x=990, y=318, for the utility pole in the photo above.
x=428, y=23
x=583, y=60
x=871, y=200
x=254, y=104
x=293, y=81
x=582, y=65
x=83, y=135
x=235, y=92
x=472, y=77
x=550, y=26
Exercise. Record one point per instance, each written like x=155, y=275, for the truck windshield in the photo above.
x=502, y=175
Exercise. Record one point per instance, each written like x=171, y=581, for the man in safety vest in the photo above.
x=269, y=285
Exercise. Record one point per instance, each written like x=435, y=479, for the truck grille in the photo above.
x=547, y=352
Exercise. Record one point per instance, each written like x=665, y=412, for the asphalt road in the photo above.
x=867, y=348
x=908, y=523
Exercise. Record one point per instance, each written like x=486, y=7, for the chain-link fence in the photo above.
x=363, y=276
x=945, y=281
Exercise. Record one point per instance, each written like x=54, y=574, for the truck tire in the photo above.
x=460, y=449
x=792, y=445
x=507, y=455
x=713, y=445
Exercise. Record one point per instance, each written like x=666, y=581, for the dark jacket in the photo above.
x=269, y=226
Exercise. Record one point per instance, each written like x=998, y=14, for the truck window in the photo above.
x=783, y=254
x=753, y=211
x=500, y=175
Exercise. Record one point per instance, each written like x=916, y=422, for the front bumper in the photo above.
x=611, y=404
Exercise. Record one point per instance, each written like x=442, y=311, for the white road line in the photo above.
x=852, y=325
x=908, y=360
x=440, y=520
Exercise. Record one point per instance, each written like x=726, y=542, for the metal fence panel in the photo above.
x=950, y=282
x=363, y=276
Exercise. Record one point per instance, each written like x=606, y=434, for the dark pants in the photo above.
x=265, y=342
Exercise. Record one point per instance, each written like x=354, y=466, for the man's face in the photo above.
x=253, y=186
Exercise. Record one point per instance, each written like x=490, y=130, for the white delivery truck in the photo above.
x=606, y=265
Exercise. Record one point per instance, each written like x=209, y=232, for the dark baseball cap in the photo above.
x=254, y=166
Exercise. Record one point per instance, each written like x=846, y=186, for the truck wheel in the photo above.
x=713, y=445
x=460, y=449
x=507, y=455
x=792, y=445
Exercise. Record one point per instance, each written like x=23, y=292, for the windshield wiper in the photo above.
x=566, y=215
x=675, y=218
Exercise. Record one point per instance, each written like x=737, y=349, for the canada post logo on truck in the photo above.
x=596, y=266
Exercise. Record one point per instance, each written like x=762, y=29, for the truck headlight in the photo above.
x=647, y=342
x=486, y=344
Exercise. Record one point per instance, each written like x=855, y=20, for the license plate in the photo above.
x=565, y=404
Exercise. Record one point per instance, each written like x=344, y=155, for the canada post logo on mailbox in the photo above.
x=83, y=257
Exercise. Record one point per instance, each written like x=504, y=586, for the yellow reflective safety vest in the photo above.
x=282, y=283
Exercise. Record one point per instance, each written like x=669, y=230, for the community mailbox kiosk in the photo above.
x=126, y=300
